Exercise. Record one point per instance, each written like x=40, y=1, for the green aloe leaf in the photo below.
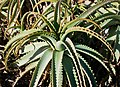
x=2, y=3
x=31, y=56
x=117, y=44
x=19, y=36
x=50, y=40
x=95, y=7
x=49, y=24
x=57, y=15
x=14, y=11
x=93, y=53
x=41, y=2
x=69, y=70
x=49, y=9
x=87, y=49
x=58, y=72
x=24, y=34
x=88, y=72
x=90, y=32
x=88, y=12
x=32, y=46
x=71, y=23
x=43, y=62
x=72, y=51
x=105, y=16
x=22, y=21
x=49, y=13
x=16, y=40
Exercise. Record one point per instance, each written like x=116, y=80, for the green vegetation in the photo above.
x=59, y=43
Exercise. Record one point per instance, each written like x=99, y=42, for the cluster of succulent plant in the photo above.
x=61, y=43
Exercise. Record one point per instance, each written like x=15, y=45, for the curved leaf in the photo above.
x=19, y=36
x=73, y=23
x=25, y=34
x=49, y=24
x=117, y=44
x=51, y=41
x=88, y=72
x=43, y=62
x=57, y=65
x=43, y=1
x=31, y=56
x=57, y=15
x=95, y=7
x=91, y=52
x=69, y=67
x=88, y=12
x=92, y=33
x=72, y=51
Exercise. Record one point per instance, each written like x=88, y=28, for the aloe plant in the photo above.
x=50, y=47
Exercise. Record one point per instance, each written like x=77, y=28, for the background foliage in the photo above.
x=59, y=43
